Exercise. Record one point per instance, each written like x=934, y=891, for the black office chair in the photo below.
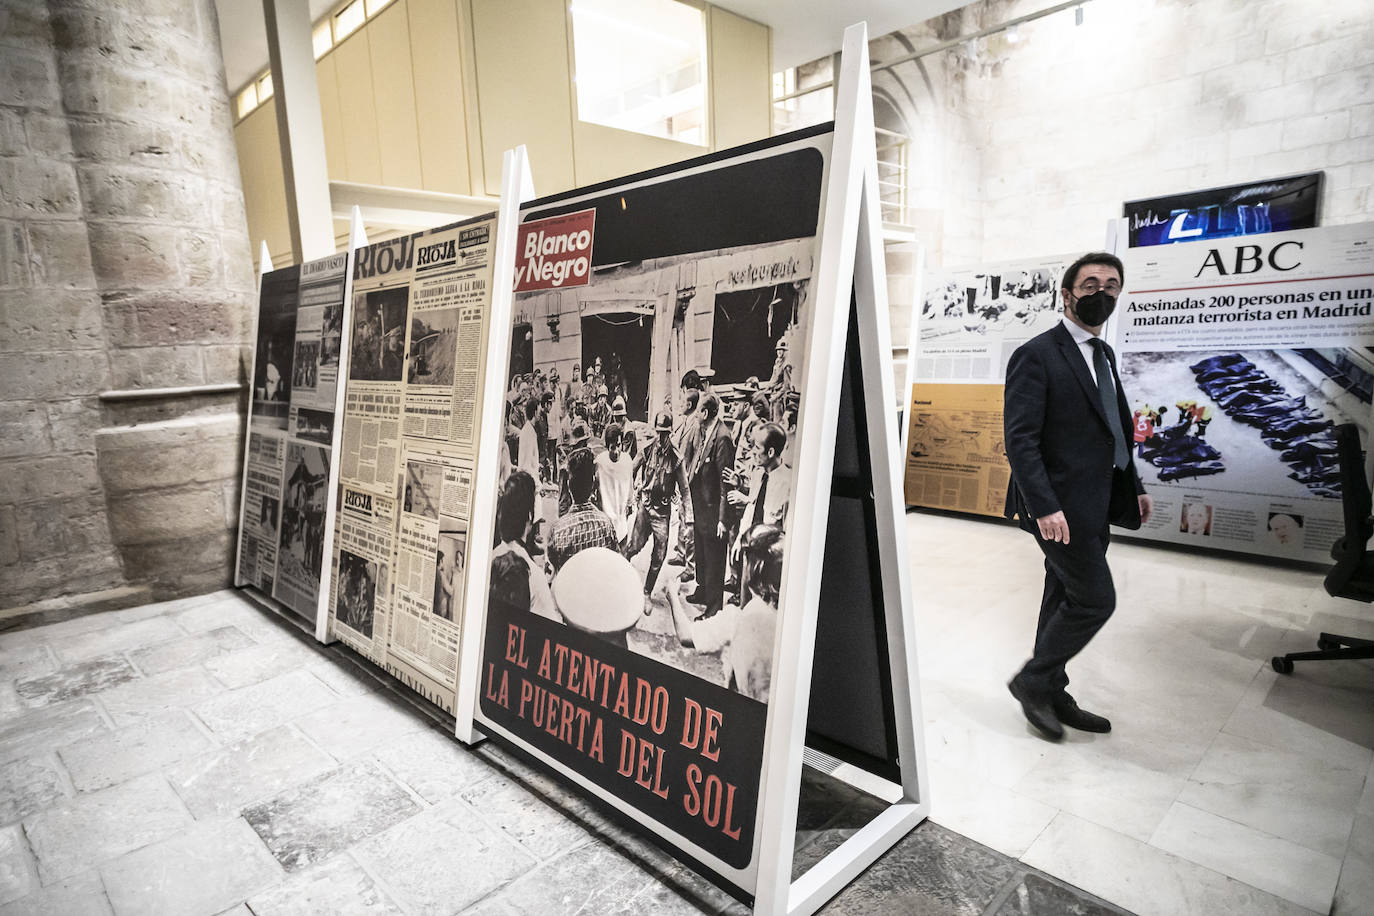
x=1353, y=575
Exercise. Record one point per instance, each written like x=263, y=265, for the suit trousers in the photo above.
x=1078, y=599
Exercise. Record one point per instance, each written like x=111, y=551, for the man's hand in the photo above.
x=1147, y=507
x=736, y=498
x=1055, y=527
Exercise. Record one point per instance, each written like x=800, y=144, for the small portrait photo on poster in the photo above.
x=357, y=599
x=449, y=564
x=1196, y=519
x=421, y=494
x=1285, y=528
x=379, y=331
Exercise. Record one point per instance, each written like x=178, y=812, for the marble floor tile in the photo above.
x=222, y=782
x=188, y=650
x=47, y=729
x=442, y=860
x=117, y=638
x=75, y=680
x=20, y=662
x=433, y=764
x=354, y=725
x=11, y=707
x=540, y=828
x=1355, y=889
x=201, y=871
x=18, y=877
x=30, y=785
x=336, y=886
x=133, y=750
x=593, y=878
x=1100, y=787
x=1036, y=895
x=83, y=895
x=249, y=710
x=931, y=870
x=347, y=678
x=310, y=823
x=100, y=826
x=261, y=662
x=1285, y=869
x=153, y=696
x=239, y=612
x=1291, y=795
x=1000, y=818
x=1145, y=880
x=1308, y=714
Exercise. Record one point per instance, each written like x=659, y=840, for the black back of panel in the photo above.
x=851, y=713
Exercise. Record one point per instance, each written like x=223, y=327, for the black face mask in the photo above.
x=1095, y=308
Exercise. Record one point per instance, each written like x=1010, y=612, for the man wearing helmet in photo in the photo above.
x=661, y=476
x=599, y=414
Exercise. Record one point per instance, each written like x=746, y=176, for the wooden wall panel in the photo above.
x=440, y=104
x=393, y=87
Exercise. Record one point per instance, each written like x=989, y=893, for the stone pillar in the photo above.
x=124, y=264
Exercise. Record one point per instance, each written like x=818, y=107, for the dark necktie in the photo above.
x=758, y=500
x=1106, y=393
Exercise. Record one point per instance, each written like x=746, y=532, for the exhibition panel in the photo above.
x=285, y=511
x=970, y=322
x=411, y=414
x=1242, y=356
x=671, y=367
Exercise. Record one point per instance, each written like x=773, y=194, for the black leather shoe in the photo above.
x=1038, y=712
x=1066, y=710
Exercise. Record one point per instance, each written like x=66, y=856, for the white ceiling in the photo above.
x=803, y=30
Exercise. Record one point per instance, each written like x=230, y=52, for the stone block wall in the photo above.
x=124, y=264
x=1028, y=148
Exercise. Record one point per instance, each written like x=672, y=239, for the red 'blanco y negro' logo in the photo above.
x=556, y=252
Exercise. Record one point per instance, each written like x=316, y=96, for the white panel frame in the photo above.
x=851, y=258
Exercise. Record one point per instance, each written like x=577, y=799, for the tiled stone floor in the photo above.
x=1224, y=788
x=203, y=757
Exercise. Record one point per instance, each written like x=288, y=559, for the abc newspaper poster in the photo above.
x=970, y=322
x=292, y=422
x=643, y=511
x=412, y=409
x=1239, y=356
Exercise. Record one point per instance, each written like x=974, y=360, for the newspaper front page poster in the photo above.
x=1239, y=355
x=412, y=408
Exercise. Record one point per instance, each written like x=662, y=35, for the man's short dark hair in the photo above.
x=774, y=437
x=581, y=474
x=710, y=406
x=693, y=397
x=613, y=434
x=1105, y=258
x=515, y=507
x=531, y=408
x=691, y=379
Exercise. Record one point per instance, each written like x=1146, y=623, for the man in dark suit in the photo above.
x=715, y=462
x=1068, y=434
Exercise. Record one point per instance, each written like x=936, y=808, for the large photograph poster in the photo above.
x=412, y=406
x=1239, y=357
x=642, y=524
x=970, y=322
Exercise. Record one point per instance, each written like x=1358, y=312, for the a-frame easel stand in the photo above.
x=850, y=265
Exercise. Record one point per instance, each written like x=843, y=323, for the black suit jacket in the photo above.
x=1058, y=442
x=708, y=485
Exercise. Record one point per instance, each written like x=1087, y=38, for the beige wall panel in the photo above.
x=264, y=184
x=393, y=84
x=327, y=77
x=439, y=102
x=605, y=152
x=524, y=88
x=741, y=75
x=357, y=109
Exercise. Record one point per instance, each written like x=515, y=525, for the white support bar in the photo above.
x=517, y=186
